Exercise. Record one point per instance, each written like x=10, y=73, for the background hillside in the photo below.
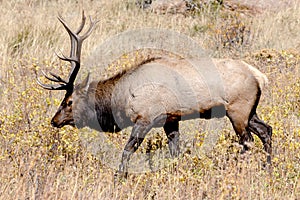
x=41, y=162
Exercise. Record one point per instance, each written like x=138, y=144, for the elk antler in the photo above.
x=74, y=58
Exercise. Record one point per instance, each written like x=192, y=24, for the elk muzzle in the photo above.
x=60, y=119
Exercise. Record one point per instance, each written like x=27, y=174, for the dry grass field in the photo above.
x=38, y=161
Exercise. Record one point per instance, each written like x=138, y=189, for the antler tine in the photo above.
x=89, y=31
x=60, y=18
x=51, y=87
x=82, y=23
x=65, y=58
x=57, y=78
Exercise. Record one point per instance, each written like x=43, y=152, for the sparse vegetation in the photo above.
x=41, y=162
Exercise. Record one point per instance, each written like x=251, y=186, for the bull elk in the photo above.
x=159, y=92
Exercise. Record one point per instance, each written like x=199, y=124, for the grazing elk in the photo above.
x=160, y=92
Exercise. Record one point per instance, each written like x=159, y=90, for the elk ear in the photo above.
x=84, y=86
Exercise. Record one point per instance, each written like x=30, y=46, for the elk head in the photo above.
x=64, y=114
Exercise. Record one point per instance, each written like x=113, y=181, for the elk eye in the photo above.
x=70, y=103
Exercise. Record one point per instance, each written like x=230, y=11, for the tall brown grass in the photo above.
x=40, y=162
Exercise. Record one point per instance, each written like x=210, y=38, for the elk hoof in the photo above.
x=267, y=166
x=120, y=177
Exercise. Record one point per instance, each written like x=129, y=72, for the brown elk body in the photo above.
x=161, y=92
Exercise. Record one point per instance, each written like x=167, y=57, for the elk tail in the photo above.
x=260, y=77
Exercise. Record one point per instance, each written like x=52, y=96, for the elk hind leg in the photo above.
x=264, y=132
x=239, y=122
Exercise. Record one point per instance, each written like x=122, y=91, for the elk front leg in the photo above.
x=139, y=131
x=171, y=129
